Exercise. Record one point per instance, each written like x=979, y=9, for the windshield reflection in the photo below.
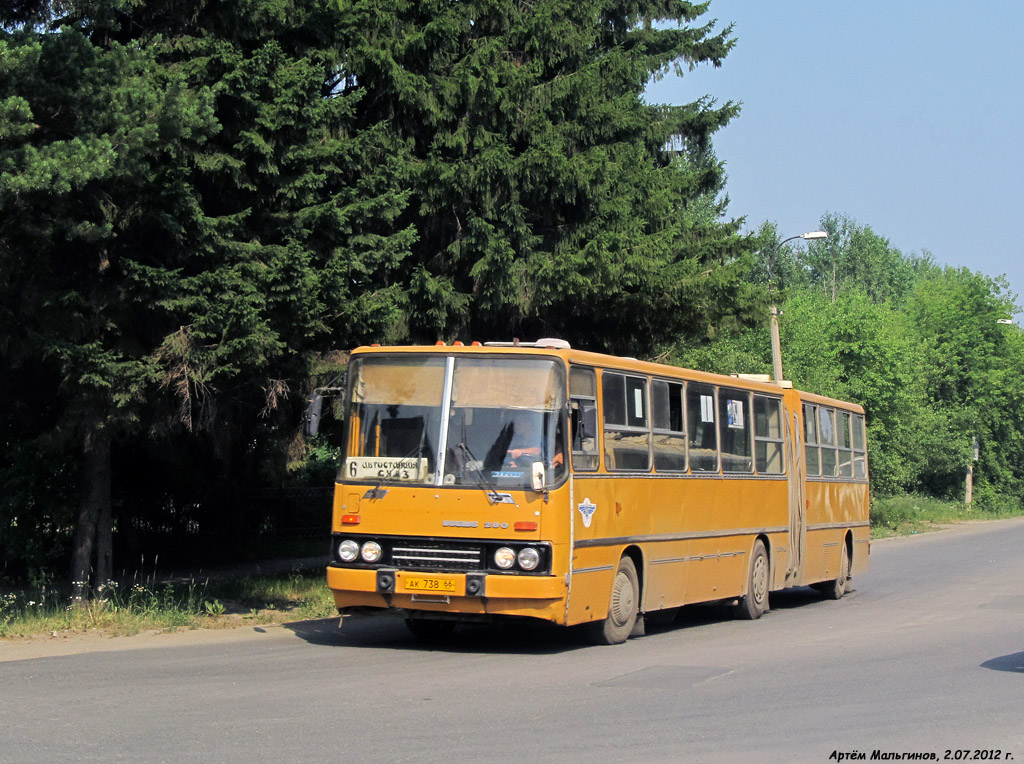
x=499, y=446
x=504, y=414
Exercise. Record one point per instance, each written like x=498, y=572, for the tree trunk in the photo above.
x=104, y=532
x=91, y=562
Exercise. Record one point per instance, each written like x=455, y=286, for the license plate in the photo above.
x=438, y=585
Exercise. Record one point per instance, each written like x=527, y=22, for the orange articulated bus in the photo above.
x=534, y=480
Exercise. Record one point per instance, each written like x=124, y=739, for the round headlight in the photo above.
x=371, y=551
x=529, y=558
x=348, y=550
x=504, y=558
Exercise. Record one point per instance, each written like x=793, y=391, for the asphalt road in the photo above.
x=925, y=655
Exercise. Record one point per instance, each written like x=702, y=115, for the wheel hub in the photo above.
x=622, y=604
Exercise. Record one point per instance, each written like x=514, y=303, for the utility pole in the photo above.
x=776, y=344
x=969, y=487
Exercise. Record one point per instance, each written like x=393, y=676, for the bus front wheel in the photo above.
x=754, y=604
x=623, y=607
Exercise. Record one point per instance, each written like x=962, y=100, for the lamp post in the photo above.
x=776, y=345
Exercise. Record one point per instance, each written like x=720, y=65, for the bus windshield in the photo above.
x=503, y=414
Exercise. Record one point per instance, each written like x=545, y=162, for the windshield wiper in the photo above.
x=477, y=466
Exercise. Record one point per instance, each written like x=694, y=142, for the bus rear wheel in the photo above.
x=833, y=590
x=754, y=604
x=623, y=607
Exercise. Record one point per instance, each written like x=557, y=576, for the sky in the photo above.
x=907, y=117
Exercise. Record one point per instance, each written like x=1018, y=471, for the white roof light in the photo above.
x=551, y=342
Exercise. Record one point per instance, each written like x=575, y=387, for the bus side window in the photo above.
x=627, y=437
x=583, y=418
x=827, y=429
x=768, y=435
x=860, y=460
x=734, y=435
x=701, y=428
x=811, y=450
x=669, y=432
x=844, y=443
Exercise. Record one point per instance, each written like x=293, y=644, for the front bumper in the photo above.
x=470, y=593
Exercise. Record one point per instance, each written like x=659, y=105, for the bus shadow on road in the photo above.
x=693, y=616
x=388, y=632
x=1013, y=662
x=800, y=596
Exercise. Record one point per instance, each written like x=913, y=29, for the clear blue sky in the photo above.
x=906, y=116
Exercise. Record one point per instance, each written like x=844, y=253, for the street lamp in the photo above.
x=776, y=346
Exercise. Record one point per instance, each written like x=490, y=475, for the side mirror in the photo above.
x=312, y=423
x=537, y=476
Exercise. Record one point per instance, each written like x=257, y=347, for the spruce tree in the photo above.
x=197, y=196
x=186, y=207
x=549, y=197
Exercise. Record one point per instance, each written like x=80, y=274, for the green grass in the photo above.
x=126, y=609
x=302, y=593
x=909, y=514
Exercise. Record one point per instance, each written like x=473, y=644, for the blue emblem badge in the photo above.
x=587, y=511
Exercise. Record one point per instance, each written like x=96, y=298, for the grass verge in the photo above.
x=169, y=605
x=909, y=514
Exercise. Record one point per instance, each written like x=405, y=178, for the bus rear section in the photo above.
x=832, y=454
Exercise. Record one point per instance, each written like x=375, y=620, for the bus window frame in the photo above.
x=857, y=439
x=578, y=405
x=700, y=386
x=810, y=424
x=726, y=460
x=860, y=453
x=827, y=447
x=626, y=429
x=669, y=432
x=778, y=442
x=844, y=443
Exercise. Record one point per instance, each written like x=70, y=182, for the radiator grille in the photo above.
x=438, y=556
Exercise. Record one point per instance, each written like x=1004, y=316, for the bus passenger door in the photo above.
x=797, y=500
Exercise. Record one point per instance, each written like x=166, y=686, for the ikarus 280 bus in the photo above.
x=533, y=480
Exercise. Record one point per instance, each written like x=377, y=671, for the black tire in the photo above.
x=833, y=590
x=755, y=602
x=623, y=607
x=427, y=628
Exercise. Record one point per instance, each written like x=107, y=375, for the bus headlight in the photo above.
x=348, y=550
x=504, y=558
x=371, y=551
x=529, y=558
